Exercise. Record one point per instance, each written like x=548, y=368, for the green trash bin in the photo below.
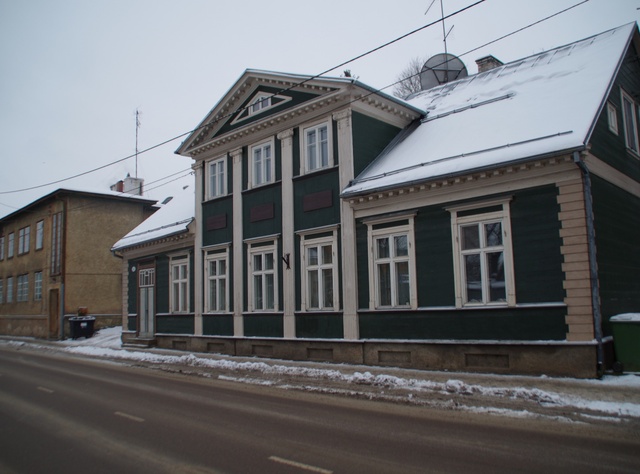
x=626, y=340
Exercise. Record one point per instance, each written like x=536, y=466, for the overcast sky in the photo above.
x=73, y=72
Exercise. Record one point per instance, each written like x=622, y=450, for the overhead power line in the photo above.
x=139, y=152
x=165, y=142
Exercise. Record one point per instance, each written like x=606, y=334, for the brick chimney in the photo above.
x=487, y=63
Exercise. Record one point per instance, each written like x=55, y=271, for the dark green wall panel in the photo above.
x=536, y=245
x=217, y=325
x=263, y=325
x=617, y=226
x=370, y=137
x=487, y=324
x=320, y=326
x=175, y=324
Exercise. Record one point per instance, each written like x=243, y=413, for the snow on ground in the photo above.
x=490, y=392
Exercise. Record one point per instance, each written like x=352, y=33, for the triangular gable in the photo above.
x=276, y=91
x=260, y=103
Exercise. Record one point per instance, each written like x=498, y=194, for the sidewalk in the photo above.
x=614, y=399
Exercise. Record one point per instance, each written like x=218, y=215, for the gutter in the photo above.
x=593, y=264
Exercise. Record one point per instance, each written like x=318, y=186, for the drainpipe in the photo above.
x=593, y=264
x=63, y=257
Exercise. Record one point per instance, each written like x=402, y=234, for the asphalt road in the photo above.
x=65, y=414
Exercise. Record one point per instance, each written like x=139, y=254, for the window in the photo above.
x=612, y=116
x=2, y=248
x=630, y=120
x=482, y=243
x=1, y=291
x=37, y=286
x=180, y=284
x=56, y=244
x=217, y=178
x=9, y=289
x=392, y=276
x=263, y=289
x=260, y=103
x=262, y=166
x=216, y=275
x=23, y=288
x=24, y=240
x=317, y=147
x=10, y=248
x=39, y=235
x=319, y=276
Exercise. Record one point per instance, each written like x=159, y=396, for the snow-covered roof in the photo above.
x=170, y=219
x=540, y=105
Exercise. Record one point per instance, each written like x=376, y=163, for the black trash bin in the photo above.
x=81, y=326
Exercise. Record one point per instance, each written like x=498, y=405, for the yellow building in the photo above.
x=55, y=257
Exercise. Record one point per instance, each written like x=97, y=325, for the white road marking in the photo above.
x=306, y=467
x=130, y=417
x=45, y=389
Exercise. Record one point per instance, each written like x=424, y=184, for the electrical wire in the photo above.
x=243, y=108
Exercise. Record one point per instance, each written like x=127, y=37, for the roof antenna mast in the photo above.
x=137, y=127
x=445, y=33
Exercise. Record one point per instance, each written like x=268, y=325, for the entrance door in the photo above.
x=146, y=302
x=54, y=314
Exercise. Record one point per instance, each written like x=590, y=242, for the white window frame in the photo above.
x=10, y=289
x=255, y=250
x=24, y=240
x=2, y=248
x=612, y=118
x=260, y=103
x=216, y=182
x=11, y=245
x=265, y=168
x=39, y=235
x=1, y=291
x=391, y=232
x=304, y=152
x=630, y=141
x=37, y=286
x=179, y=293
x=503, y=216
x=216, y=256
x=22, y=295
x=306, y=243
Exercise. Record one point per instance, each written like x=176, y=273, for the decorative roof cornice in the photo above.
x=450, y=182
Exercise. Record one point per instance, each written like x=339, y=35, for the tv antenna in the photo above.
x=445, y=34
x=137, y=128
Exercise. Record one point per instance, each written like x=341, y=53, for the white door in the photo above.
x=146, y=304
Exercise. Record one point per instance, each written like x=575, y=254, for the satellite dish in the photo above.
x=440, y=69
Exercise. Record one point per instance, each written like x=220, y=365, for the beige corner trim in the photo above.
x=575, y=253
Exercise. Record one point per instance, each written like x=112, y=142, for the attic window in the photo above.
x=630, y=122
x=259, y=104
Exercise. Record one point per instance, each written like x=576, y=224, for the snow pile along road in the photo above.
x=613, y=399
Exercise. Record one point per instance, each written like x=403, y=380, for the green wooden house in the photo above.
x=487, y=224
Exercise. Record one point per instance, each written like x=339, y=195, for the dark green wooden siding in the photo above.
x=482, y=324
x=217, y=325
x=319, y=325
x=617, y=227
x=270, y=194
x=370, y=137
x=536, y=245
x=538, y=276
x=175, y=324
x=315, y=183
x=215, y=209
x=263, y=325
x=606, y=145
x=434, y=258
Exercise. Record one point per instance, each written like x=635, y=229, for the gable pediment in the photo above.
x=252, y=100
